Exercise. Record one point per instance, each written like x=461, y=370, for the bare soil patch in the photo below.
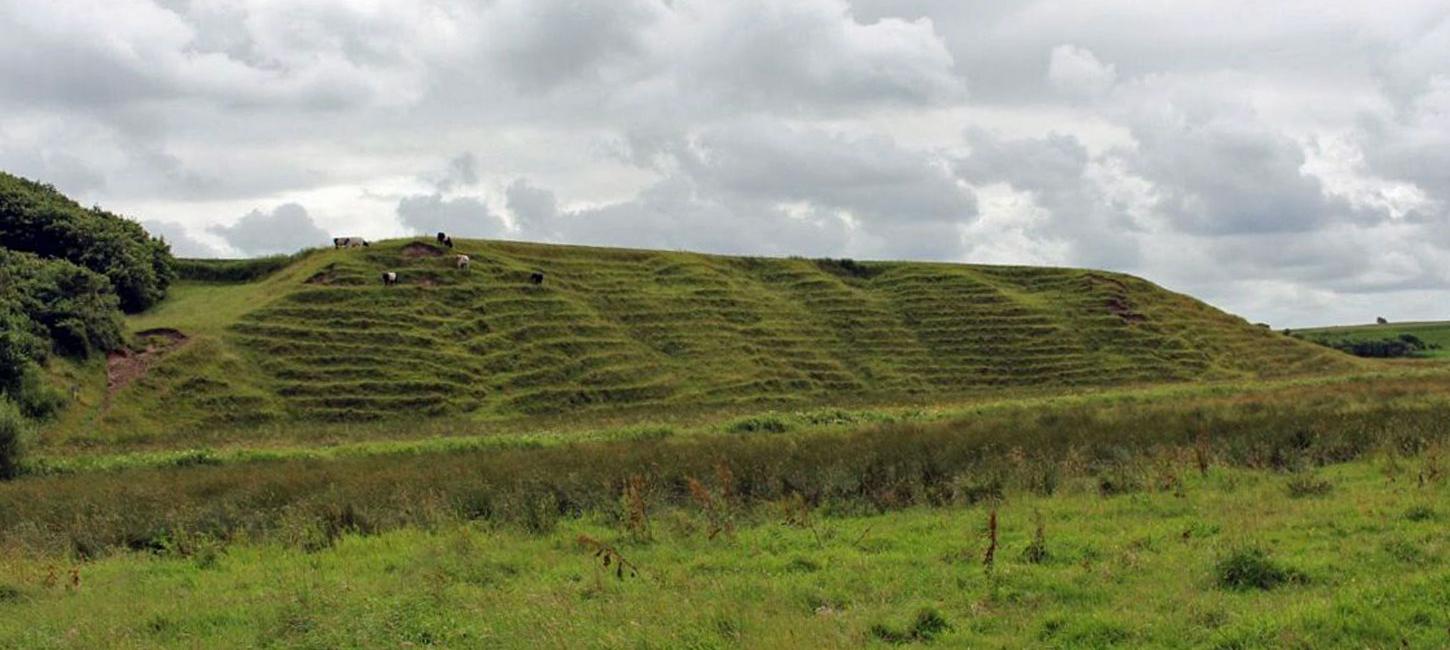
x=419, y=249
x=125, y=366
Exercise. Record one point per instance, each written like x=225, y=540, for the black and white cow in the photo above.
x=442, y=236
x=448, y=241
x=348, y=242
x=390, y=278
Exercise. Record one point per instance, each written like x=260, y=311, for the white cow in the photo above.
x=463, y=262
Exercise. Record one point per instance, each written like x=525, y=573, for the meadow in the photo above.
x=662, y=449
x=1352, y=554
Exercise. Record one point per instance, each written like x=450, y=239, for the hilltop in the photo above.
x=319, y=338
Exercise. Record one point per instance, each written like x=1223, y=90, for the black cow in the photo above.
x=536, y=278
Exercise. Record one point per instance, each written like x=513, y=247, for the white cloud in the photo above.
x=1077, y=71
x=1286, y=160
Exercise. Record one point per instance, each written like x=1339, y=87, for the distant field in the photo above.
x=1436, y=332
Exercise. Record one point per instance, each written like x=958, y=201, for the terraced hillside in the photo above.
x=325, y=340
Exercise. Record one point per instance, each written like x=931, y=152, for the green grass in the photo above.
x=1370, y=567
x=614, y=330
x=1433, y=332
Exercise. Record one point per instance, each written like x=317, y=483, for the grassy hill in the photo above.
x=323, y=339
x=1433, y=332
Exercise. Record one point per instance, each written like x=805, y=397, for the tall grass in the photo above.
x=871, y=469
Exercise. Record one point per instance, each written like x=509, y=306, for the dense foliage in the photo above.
x=1404, y=345
x=66, y=273
x=11, y=428
x=243, y=270
x=35, y=218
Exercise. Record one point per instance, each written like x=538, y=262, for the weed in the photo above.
x=1036, y=551
x=1250, y=567
x=769, y=423
x=926, y=627
x=609, y=556
x=636, y=510
x=717, y=513
x=990, y=557
x=1308, y=485
x=1420, y=512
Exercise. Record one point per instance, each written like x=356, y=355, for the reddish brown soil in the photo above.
x=419, y=249
x=125, y=366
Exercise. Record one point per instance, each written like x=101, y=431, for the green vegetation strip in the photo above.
x=448, y=436
x=1226, y=559
x=876, y=467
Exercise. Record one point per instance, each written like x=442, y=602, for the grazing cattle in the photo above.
x=1381, y=321
x=390, y=278
x=442, y=236
x=463, y=261
x=348, y=242
x=536, y=277
x=448, y=241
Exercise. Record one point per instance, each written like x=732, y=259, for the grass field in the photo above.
x=787, y=452
x=1433, y=332
x=1363, y=553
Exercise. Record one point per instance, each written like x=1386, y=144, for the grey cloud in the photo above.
x=464, y=216
x=287, y=228
x=534, y=209
x=1054, y=171
x=871, y=177
x=1167, y=140
x=675, y=214
x=1228, y=175
x=181, y=241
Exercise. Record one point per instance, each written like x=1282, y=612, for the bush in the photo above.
x=1251, y=568
x=928, y=624
x=38, y=219
x=12, y=431
x=1306, y=485
x=245, y=270
x=72, y=306
x=759, y=424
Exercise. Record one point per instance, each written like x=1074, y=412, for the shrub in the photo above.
x=1306, y=485
x=1420, y=513
x=759, y=424
x=1251, y=567
x=243, y=270
x=927, y=625
x=36, y=218
x=12, y=431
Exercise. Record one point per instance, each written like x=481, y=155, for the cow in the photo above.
x=462, y=262
x=390, y=278
x=442, y=236
x=536, y=278
x=348, y=242
x=448, y=241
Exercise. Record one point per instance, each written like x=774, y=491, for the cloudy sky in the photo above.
x=1287, y=161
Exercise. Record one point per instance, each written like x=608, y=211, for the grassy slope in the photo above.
x=1126, y=571
x=1436, y=332
x=615, y=328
